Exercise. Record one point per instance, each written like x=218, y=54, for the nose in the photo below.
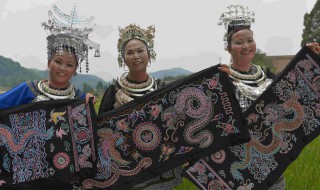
x=136, y=55
x=245, y=45
x=62, y=67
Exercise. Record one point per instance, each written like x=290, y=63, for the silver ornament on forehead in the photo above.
x=68, y=31
x=236, y=15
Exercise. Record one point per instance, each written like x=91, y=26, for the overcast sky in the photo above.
x=187, y=34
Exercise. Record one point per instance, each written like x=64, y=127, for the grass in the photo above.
x=3, y=89
x=302, y=174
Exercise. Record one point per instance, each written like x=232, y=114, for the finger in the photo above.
x=225, y=70
x=224, y=65
x=87, y=99
x=94, y=100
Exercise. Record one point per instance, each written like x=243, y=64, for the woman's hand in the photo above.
x=88, y=96
x=224, y=68
x=314, y=46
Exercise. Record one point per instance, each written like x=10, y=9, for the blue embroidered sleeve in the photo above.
x=18, y=95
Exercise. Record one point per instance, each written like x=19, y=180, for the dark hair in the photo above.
x=235, y=30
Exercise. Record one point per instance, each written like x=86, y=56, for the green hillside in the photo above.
x=12, y=74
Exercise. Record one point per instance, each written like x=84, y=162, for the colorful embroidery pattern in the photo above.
x=166, y=128
x=61, y=160
x=146, y=136
x=35, y=141
x=281, y=122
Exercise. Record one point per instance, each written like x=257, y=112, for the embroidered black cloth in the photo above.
x=284, y=119
x=46, y=144
x=180, y=122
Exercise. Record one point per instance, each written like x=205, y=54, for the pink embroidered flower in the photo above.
x=155, y=110
x=212, y=83
x=218, y=157
x=229, y=128
x=61, y=160
x=292, y=76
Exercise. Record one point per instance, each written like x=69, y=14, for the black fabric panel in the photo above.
x=180, y=122
x=47, y=144
x=283, y=120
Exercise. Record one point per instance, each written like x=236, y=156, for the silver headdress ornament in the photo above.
x=135, y=32
x=236, y=15
x=66, y=33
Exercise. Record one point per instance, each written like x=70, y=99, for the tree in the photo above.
x=99, y=89
x=99, y=86
x=261, y=59
x=87, y=88
x=311, y=31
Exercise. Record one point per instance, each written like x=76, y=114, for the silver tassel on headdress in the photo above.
x=66, y=34
x=236, y=15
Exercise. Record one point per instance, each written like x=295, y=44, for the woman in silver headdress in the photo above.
x=67, y=48
x=135, y=51
x=135, y=48
x=249, y=80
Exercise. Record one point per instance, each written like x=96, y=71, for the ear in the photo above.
x=49, y=63
x=228, y=48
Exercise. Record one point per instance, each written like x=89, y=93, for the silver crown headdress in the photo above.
x=236, y=15
x=66, y=33
x=135, y=32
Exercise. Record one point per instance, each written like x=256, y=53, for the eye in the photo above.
x=57, y=61
x=129, y=53
x=70, y=65
x=239, y=42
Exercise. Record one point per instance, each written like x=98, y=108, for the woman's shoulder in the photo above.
x=79, y=94
x=32, y=85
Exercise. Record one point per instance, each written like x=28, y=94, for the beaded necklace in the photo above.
x=130, y=90
x=255, y=78
x=243, y=82
x=52, y=93
x=133, y=87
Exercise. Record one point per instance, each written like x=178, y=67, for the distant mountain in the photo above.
x=79, y=79
x=12, y=74
x=92, y=80
x=174, y=72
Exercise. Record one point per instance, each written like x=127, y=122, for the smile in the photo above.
x=62, y=74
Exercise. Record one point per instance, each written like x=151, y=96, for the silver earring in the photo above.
x=124, y=68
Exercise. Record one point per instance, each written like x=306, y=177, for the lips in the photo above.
x=62, y=74
x=246, y=52
x=137, y=63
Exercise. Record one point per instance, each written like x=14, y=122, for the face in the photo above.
x=242, y=47
x=62, y=68
x=136, y=55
